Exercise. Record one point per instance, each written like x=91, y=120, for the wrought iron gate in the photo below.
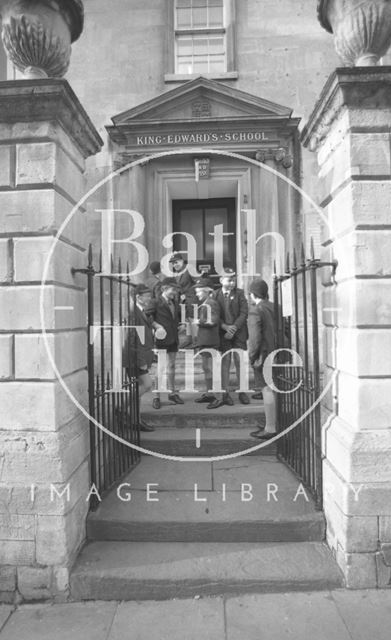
x=110, y=305
x=300, y=386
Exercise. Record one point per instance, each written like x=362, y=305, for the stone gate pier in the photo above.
x=45, y=138
x=349, y=130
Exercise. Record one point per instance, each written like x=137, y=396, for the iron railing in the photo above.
x=110, y=304
x=300, y=386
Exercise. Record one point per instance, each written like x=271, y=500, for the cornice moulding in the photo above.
x=49, y=100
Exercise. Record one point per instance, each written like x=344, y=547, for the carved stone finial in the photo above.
x=361, y=28
x=37, y=34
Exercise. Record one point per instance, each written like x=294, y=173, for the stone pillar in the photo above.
x=350, y=131
x=45, y=137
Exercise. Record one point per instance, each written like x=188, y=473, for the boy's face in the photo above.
x=144, y=299
x=178, y=265
x=202, y=293
x=228, y=282
x=170, y=292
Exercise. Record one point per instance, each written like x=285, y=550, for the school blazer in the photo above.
x=261, y=328
x=209, y=334
x=134, y=347
x=239, y=310
x=161, y=313
x=185, y=282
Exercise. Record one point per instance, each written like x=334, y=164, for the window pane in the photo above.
x=217, y=64
x=216, y=18
x=189, y=221
x=213, y=218
x=185, y=66
x=201, y=46
x=184, y=18
x=183, y=3
x=200, y=65
x=200, y=3
x=216, y=45
x=200, y=17
x=185, y=47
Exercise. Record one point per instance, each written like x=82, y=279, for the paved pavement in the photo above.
x=337, y=615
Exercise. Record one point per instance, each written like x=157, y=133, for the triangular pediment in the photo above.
x=205, y=99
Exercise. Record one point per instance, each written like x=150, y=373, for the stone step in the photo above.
x=147, y=571
x=213, y=442
x=194, y=415
x=223, y=501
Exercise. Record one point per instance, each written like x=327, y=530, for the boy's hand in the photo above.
x=231, y=330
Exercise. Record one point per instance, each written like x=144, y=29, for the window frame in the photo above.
x=194, y=33
x=174, y=33
x=192, y=28
x=208, y=57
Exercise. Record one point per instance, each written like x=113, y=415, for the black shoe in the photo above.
x=267, y=436
x=216, y=404
x=145, y=427
x=258, y=396
x=174, y=397
x=205, y=398
x=257, y=434
x=156, y=403
x=228, y=400
x=243, y=398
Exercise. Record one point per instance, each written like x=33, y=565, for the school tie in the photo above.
x=227, y=308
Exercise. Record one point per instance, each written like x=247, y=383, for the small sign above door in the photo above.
x=202, y=169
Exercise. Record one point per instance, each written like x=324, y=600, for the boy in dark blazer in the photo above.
x=233, y=332
x=137, y=355
x=154, y=281
x=183, y=278
x=165, y=314
x=261, y=325
x=185, y=283
x=208, y=331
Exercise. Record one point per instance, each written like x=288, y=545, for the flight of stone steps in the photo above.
x=188, y=529
x=196, y=518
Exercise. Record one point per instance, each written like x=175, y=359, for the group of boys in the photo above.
x=219, y=320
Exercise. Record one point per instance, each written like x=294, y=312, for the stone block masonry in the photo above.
x=45, y=138
x=349, y=130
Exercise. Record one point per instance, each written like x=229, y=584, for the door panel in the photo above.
x=199, y=218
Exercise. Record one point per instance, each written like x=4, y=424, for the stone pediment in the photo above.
x=203, y=99
x=203, y=112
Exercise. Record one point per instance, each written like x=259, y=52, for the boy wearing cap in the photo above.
x=165, y=314
x=183, y=278
x=261, y=343
x=140, y=353
x=186, y=291
x=154, y=281
x=233, y=333
x=208, y=331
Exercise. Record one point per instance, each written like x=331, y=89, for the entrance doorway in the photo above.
x=199, y=218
